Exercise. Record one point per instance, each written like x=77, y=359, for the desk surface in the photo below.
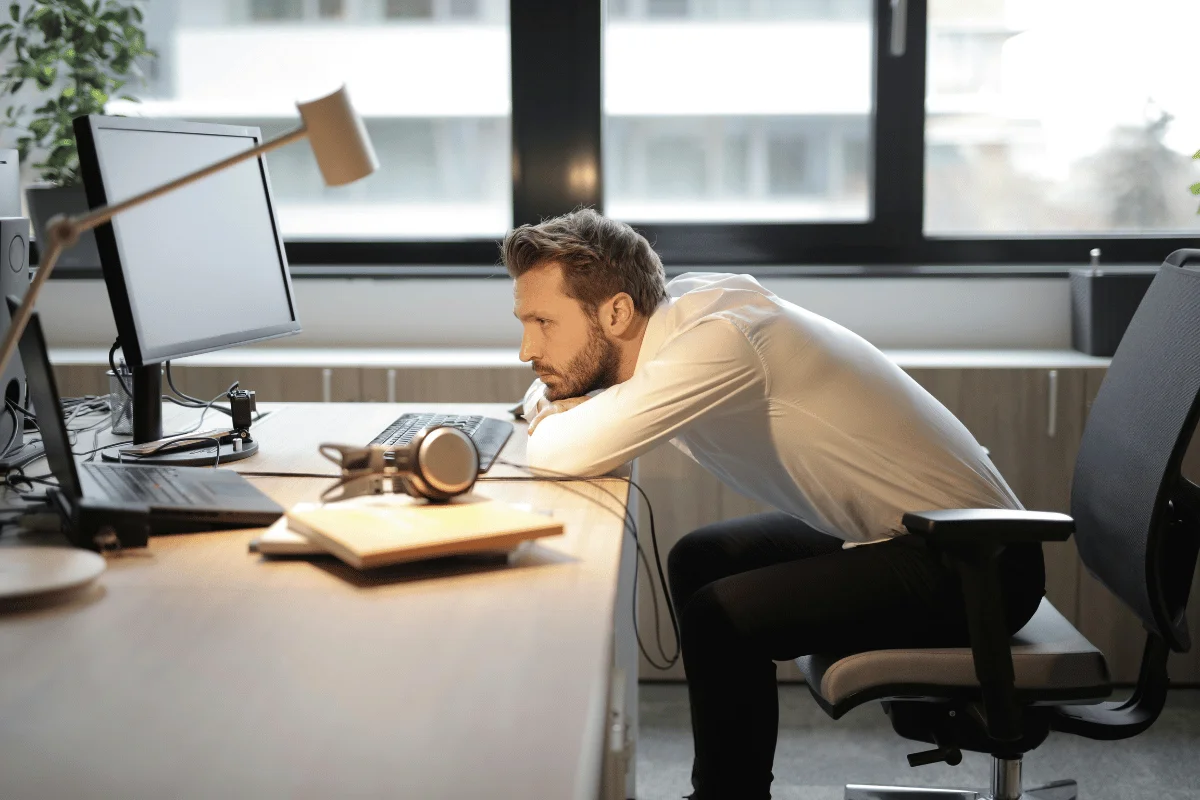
x=195, y=669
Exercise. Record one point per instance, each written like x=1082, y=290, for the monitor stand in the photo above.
x=147, y=427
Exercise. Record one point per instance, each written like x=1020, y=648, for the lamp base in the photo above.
x=190, y=457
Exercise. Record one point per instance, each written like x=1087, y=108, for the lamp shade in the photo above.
x=338, y=138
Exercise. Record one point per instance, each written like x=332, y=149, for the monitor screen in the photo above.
x=199, y=268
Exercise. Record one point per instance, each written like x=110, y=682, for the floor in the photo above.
x=816, y=756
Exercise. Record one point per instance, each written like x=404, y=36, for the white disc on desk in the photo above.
x=27, y=571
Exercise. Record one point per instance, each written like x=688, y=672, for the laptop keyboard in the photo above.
x=143, y=484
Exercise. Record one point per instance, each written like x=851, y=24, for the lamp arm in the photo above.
x=63, y=232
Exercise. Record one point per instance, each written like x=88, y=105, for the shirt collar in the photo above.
x=656, y=333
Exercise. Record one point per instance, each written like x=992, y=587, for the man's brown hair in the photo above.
x=600, y=257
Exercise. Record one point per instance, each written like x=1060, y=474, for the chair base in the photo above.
x=1059, y=790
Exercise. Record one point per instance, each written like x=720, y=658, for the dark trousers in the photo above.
x=769, y=588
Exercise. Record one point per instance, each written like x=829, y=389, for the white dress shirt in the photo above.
x=782, y=405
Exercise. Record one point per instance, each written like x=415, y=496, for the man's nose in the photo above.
x=528, y=351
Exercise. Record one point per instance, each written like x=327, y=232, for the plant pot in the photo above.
x=1102, y=305
x=44, y=203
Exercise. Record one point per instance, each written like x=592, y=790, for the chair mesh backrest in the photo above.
x=1136, y=434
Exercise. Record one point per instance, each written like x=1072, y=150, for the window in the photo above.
x=276, y=10
x=746, y=133
x=737, y=110
x=331, y=9
x=435, y=100
x=408, y=9
x=787, y=165
x=1061, y=117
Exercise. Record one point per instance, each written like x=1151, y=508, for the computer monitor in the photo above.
x=199, y=269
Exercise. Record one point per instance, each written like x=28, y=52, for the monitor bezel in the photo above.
x=109, y=248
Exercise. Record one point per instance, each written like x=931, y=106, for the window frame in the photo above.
x=557, y=165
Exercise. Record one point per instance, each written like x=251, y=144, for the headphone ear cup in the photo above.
x=445, y=463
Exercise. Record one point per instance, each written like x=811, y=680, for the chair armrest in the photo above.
x=995, y=526
x=972, y=540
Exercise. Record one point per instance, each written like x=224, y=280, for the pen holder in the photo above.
x=121, y=404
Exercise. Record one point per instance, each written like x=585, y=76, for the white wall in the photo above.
x=890, y=312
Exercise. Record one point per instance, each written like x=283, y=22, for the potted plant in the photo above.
x=77, y=55
x=1196, y=186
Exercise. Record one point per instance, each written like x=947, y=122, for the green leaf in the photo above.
x=1195, y=188
x=1197, y=154
x=14, y=11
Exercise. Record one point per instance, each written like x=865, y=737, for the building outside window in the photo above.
x=738, y=110
x=1060, y=117
x=435, y=99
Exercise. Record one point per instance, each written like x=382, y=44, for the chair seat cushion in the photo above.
x=1052, y=662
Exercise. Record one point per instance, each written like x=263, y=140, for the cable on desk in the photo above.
x=23, y=412
x=196, y=401
x=187, y=401
x=538, y=474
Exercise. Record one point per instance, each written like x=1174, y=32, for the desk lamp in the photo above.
x=344, y=154
x=339, y=142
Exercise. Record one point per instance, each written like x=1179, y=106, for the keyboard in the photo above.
x=488, y=434
x=143, y=485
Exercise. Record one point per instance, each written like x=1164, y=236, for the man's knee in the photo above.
x=707, y=618
x=690, y=565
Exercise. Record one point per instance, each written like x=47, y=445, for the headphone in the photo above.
x=439, y=463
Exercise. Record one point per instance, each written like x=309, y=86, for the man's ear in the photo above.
x=619, y=314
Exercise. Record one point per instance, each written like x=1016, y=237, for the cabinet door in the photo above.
x=446, y=384
x=1031, y=422
x=78, y=380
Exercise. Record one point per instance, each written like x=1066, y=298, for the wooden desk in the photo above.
x=195, y=669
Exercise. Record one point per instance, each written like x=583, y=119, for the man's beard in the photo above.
x=595, y=367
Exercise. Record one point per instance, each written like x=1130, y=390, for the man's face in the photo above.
x=566, y=344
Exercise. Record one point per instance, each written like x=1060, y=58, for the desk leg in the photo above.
x=625, y=653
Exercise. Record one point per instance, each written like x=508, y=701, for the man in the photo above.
x=784, y=406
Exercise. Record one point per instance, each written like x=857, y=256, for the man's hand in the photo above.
x=557, y=407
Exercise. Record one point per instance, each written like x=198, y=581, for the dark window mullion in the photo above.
x=899, y=144
x=556, y=107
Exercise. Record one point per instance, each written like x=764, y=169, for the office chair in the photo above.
x=1136, y=521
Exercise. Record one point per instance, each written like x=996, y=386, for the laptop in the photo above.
x=105, y=505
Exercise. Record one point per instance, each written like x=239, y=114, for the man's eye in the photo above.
x=542, y=321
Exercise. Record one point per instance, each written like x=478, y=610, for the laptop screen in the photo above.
x=46, y=405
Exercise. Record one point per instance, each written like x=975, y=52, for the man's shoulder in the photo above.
x=702, y=297
x=690, y=282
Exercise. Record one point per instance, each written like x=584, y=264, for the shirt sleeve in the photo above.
x=535, y=399
x=709, y=369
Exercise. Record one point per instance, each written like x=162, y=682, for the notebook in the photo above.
x=375, y=531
